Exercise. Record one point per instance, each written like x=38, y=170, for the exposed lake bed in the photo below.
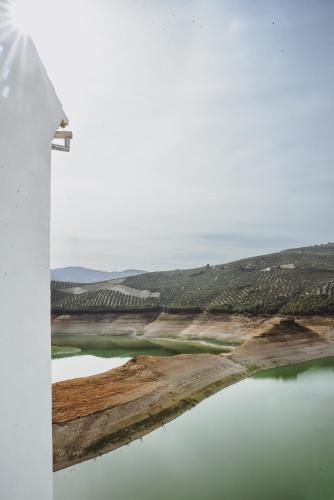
x=129, y=402
x=269, y=436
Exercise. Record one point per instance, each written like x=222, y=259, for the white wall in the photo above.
x=29, y=114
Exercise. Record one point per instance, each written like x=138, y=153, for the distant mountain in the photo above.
x=295, y=281
x=86, y=275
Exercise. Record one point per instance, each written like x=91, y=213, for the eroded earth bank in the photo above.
x=93, y=415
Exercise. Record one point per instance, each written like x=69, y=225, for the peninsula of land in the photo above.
x=96, y=414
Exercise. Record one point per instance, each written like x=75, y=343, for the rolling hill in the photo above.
x=86, y=275
x=294, y=281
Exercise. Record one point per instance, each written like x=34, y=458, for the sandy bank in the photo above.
x=231, y=328
x=223, y=327
x=283, y=344
x=93, y=415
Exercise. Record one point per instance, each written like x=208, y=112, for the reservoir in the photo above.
x=268, y=437
x=66, y=368
x=77, y=355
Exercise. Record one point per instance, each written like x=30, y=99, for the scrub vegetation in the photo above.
x=295, y=281
x=61, y=351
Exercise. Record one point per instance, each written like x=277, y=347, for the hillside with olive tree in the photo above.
x=295, y=281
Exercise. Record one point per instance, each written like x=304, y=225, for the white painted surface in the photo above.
x=29, y=115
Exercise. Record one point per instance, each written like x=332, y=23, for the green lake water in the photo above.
x=78, y=355
x=269, y=437
x=124, y=345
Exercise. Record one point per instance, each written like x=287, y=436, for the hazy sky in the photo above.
x=203, y=129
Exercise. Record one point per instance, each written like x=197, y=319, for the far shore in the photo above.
x=186, y=325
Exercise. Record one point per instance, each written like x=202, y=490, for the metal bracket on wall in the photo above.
x=66, y=136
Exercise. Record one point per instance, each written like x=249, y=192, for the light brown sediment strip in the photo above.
x=284, y=343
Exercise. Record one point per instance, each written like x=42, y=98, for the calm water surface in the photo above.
x=99, y=353
x=270, y=437
x=82, y=366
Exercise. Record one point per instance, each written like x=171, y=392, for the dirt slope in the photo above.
x=284, y=342
x=93, y=415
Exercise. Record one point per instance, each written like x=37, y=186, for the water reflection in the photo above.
x=82, y=366
x=263, y=438
x=112, y=345
x=293, y=372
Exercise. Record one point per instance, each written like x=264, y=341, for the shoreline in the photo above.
x=94, y=415
x=184, y=325
x=118, y=425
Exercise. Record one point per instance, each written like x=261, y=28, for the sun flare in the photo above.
x=24, y=15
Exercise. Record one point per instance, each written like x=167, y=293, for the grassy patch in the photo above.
x=60, y=351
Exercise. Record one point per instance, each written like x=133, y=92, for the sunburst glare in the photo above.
x=29, y=19
x=23, y=16
x=18, y=20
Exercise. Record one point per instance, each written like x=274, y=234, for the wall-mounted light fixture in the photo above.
x=66, y=136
